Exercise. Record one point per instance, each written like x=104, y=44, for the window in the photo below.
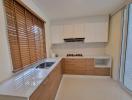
x=26, y=35
x=126, y=56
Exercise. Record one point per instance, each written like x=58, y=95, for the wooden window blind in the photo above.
x=22, y=34
x=42, y=39
x=37, y=38
x=12, y=34
x=31, y=36
x=26, y=35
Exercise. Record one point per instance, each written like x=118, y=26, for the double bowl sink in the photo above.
x=45, y=65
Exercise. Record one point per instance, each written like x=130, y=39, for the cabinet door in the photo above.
x=68, y=31
x=73, y=31
x=90, y=70
x=46, y=91
x=41, y=92
x=96, y=32
x=55, y=78
x=78, y=31
x=75, y=66
x=56, y=34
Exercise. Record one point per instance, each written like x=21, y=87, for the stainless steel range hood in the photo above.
x=74, y=39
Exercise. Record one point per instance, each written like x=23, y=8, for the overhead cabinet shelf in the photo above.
x=93, y=31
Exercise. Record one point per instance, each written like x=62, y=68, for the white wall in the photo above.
x=5, y=59
x=48, y=39
x=114, y=45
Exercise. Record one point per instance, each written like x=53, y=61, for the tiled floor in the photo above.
x=90, y=88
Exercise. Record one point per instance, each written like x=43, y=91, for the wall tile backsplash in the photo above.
x=87, y=49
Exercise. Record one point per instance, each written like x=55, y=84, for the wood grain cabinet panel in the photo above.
x=54, y=81
x=40, y=93
x=48, y=89
x=102, y=71
x=76, y=66
x=83, y=66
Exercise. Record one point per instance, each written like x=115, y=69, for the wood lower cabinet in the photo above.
x=48, y=88
x=102, y=71
x=75, y=66
x=83, y=66
x=54, y=81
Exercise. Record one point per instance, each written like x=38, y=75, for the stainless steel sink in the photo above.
x=45, y=65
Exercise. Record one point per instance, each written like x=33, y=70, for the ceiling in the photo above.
x=63, y=9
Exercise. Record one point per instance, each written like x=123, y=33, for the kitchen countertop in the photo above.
x=25, y=83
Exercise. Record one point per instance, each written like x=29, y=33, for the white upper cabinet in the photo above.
x=93, y=29
x=57, y=34
x=68, y=31
x=96, y=32
x=73, y=31
x=78, y=30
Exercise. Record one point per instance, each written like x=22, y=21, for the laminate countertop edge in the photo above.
x=89, y=57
